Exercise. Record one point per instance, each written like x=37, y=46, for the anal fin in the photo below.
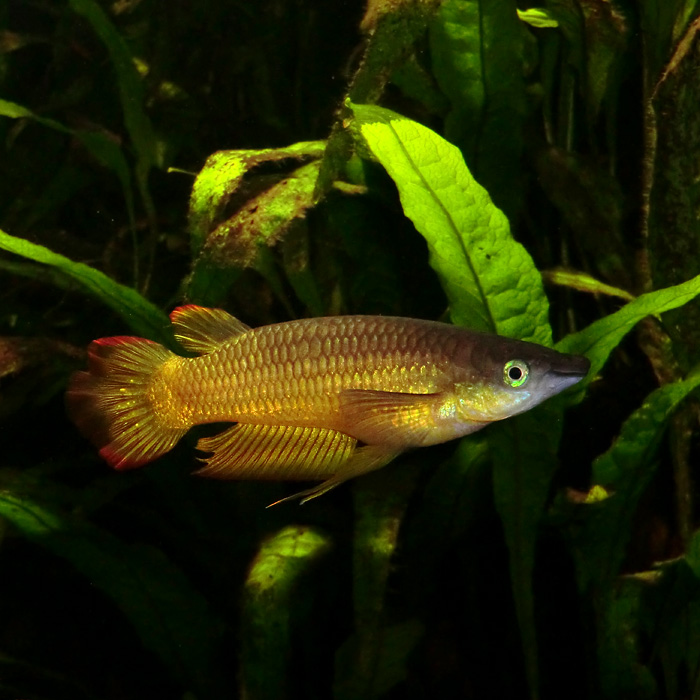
x=247, y=451
x=364, y=460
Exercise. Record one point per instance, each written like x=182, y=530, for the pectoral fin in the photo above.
x=364, y=460
x=389, y=418
x=247, y=451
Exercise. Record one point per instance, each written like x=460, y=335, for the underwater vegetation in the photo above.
x=529, y=172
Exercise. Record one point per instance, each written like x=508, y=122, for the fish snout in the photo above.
x=569, y=370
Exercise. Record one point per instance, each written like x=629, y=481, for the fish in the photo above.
x=311, y=399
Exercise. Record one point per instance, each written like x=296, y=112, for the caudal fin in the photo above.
x=116, y=405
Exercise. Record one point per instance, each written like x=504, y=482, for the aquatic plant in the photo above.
x=528, y=172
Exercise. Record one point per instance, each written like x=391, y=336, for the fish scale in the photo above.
x=313, y=371
x=328, y=398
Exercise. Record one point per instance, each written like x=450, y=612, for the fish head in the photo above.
x=505, y=377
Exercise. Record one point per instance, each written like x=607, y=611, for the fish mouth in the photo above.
x=574, y=367
x=569, y=371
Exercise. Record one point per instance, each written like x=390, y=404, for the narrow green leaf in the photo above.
x=105, y=150
x=490, y=280
x=584, y=282
x=606, y=37
x=692, y=556
x=380, y=502
x=397, y=643
x=451, y=502
x=138, y=313
x=599, y=339
x=392, y=28
x=171, y=618
x=538, y=17
x=130, y=84
x=477, y=57
x=296, y=258
x=269, y=599
x=622, y=672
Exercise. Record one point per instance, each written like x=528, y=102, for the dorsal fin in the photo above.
x=204, y=330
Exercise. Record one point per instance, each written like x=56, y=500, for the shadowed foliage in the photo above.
x=525, y=170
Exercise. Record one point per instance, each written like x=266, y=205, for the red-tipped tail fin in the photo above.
x=113, y=403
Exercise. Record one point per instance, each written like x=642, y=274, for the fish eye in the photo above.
x=515, y=373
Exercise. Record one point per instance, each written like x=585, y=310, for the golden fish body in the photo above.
x=304, y=393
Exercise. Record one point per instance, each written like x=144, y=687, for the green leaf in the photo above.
x=397, y=643
x=626, y=470
x=223, y=248
x=131, y=93
x=538, y=17
x=139, y=314
x=583, y=282
x=599, y=339
x=172, y=619
x=128, y=79
x=221, y=177
x=477, y=57
x=380, y=503
x=270, y=596
x=104, y=149
x=490, y=280
x=492, y=285
x=392, y=28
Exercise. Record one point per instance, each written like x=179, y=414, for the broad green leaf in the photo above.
x=490, y=280
x=619, y=649
x=138, y=313
x=270, y=597
x=599, y=339
x=626, y=470
x=492, y=285
x=172, y=619
x=380, y=503
x=477, y=57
